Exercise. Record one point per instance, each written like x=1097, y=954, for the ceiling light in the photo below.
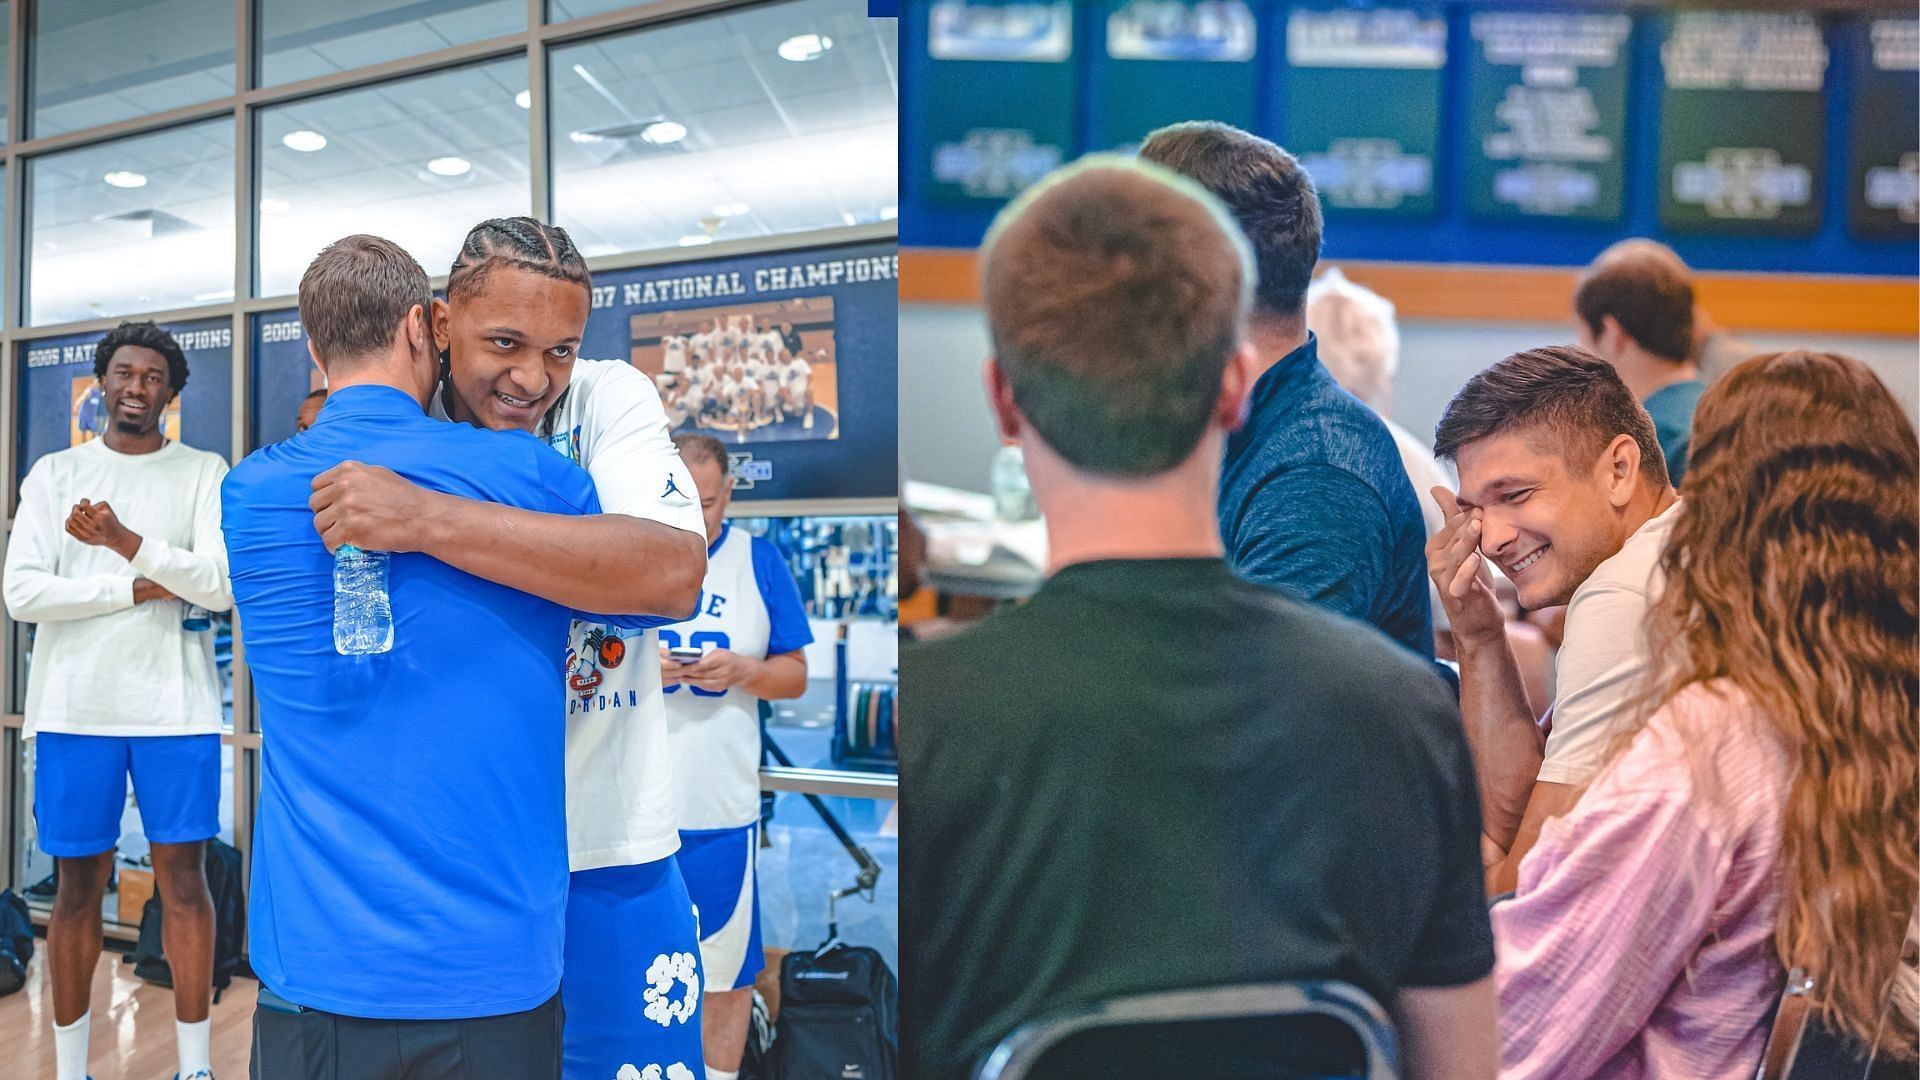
x=801, y=48
x=221, y=294
x=584, y=137
x=847, y=216
x=122, y=178
x=663, y=132
x=695, y=240
x=304, y=141
x=274, y=206
x=731, y=209
x=449, y=166
x=888, y=213
x=524, y=99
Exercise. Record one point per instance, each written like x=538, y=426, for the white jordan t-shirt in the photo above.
x=619, y=778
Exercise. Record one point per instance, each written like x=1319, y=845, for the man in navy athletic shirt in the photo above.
x=410, y=868
x=1313, y=498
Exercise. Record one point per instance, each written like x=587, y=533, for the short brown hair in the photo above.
x=1270, y=195
x=1562, y=390
x=1116, y=292
x=1645, y=287
x=354, y=295
x=696, y=447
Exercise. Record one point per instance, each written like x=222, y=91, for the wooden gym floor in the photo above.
x=132, y=1027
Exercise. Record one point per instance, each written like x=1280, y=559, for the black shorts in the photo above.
x=291, y=1042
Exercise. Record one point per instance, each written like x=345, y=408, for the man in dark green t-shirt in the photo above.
x=1155, y=775
x=1635, y=310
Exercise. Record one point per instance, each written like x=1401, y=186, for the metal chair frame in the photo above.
x=1017, y=1054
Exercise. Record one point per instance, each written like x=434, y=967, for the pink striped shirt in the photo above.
x=1640, y=941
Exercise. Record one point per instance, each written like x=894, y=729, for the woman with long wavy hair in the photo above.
x=1761, y=814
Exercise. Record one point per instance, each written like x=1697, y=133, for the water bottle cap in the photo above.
x=346, y=549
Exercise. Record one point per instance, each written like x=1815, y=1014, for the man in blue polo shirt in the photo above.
x=410, y=865
x=1313, y=498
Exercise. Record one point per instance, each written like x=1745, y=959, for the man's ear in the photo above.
x=1006, y=415
x=1621, y=464
x=442, y=336
x=315, y=357
x=1236, y=388
x=1613, y=339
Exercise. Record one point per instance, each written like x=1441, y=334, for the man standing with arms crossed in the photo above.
x=112, y=540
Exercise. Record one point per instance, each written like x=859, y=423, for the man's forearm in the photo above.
x=1505, y=740
x=606, y=564
x=780, y=677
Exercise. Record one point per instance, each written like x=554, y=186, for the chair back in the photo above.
x=1267, y=1030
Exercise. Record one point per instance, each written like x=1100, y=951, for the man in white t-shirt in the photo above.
x=1563, y=486
x=673, y=364
x=116, y=541
x=702, y=343
x=799, y=388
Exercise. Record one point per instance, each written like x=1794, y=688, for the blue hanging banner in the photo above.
x=60, y=397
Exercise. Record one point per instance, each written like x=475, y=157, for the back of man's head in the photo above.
x=1359, y=340
x=1267, y=191
x=1116, y=292
x=354, y=296
x=1560, y=395
x=1645, y=287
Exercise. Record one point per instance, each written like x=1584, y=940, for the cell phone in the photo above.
x=685, y=655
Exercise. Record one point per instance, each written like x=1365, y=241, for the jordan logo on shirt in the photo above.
x=674, y=489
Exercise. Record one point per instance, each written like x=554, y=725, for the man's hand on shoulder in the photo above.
x=372, y=508
x=145, y=590
x=95, y=523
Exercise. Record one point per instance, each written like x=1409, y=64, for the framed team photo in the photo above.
x=760, y=372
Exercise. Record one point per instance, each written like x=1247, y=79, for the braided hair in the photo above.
x=518, y=243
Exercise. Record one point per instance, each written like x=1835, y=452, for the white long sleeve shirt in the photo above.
x=103, y=665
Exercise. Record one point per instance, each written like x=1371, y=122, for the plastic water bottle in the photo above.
x=1012, y=494
x=362, y=617
x=196, y=618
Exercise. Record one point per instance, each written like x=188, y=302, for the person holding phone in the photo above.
x=744, y=644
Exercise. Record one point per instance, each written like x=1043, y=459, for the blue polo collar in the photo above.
x=368, y=399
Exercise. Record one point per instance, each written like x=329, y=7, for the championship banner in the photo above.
x=60, y=403
x=1172, y=60
x=1546, y=115
x=1742, y=122
x=1883, y=156
x=1002, y=77
x=1362, y=106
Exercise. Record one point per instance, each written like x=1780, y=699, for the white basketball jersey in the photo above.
x=799, y=374
x=715, y=736
x=619, y=780
x=676, y=354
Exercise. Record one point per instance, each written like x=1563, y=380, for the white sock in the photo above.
x=716, y=1074
x=192, y=1040
x=70, y=1048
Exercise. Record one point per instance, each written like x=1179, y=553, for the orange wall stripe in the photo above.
x=1741, y=302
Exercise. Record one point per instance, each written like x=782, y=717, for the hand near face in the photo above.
x=1460, y=573
x=370, y=507
x=721, y=669
x=95, y=523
